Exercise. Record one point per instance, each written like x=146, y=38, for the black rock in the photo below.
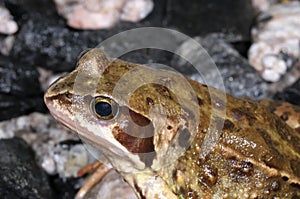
x=64, y=188
x=20, y=91
x=18, y=79
x=239, y=78
x=290, y=94
x=20, y=177
x=199, y=17
x=44, y=39
x=148, y=56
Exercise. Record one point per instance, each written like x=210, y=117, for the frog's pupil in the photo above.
x=103, y=109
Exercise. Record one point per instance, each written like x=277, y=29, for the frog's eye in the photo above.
x=104, y=108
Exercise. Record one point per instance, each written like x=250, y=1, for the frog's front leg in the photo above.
x=147, y=185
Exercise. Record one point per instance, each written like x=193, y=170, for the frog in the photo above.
x=155, y=135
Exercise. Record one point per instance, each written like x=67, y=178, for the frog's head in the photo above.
x=124, y=110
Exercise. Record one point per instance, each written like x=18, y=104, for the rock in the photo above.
x=62, y=154
x=136, y=10
x=67, y=159
x=13, y=106
x=58, y=150
x=7, y=25
x=44, y=40
x=6, y=44
x=16, y=78
x=239, y=78
x=263, y=5
x=290, y=94
x=90, y=14
x=276, y=41
x=15, y=96
x=20, y=176
x=200, y=17
x=65, y=188
x=99, y=14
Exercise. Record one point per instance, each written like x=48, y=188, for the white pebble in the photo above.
x=276, y=41
x=270, y=75
x=48, y=165
x=7, y=25
x=102, y=14
x=135, y=10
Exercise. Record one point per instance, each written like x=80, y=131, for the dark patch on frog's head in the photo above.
x=241, y=168
x=149, y=101
x=296, y=196
x=200, y=101
x=174, y=174
x=163, y=91
x=285, y=116
x=188, y=192
x=294, y=140
x=242, y=114
x=209, y=176
x=246, y=168
x=169, y=127
x=136, y=136
x=275, y=186
x=141, y=120
x=295, y=165
x=228, y=125
x=277, y=157
x=297, y=129
x=285, y=133
x=281, y=128
x=138, y=189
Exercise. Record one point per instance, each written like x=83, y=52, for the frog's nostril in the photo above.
x=169, y=127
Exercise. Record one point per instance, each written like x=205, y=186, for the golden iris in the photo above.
x=104, y=107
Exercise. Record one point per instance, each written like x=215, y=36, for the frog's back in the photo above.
x=257, y=155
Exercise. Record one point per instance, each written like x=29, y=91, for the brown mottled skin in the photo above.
x=257, y=154
x=235, y=168
x=286, y=111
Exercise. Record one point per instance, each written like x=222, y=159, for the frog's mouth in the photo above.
x=65, y=118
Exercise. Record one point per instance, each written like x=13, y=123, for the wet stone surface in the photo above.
x=200, y=17
x=57, y=150
x=45, y=40
x=20, y=91
x=290, y=94
x=239, y=78
x=20, y=176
